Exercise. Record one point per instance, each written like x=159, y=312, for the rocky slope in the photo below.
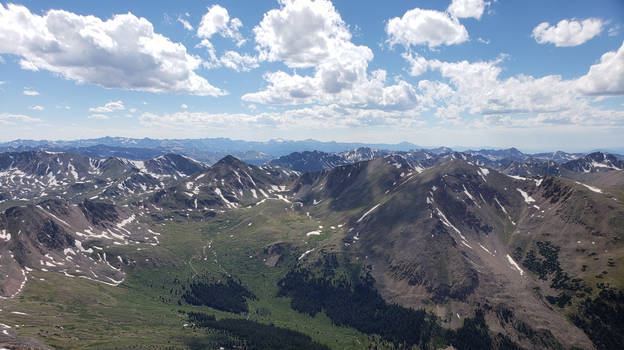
x=55, y=235
x=458, y=236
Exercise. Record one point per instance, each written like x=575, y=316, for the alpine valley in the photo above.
x=205, y=244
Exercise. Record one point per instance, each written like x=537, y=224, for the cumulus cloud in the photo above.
x=37, y=108
x=425, y=27
x=467, y=8
x=312, y=34
x=568, y=32
x=605, y=77
x=476, y=88
x=302, y=33
x=217, y=21
x=30, y=92
x=109, y=107
x=418, y=64
x=184, y=106
x=123, y=52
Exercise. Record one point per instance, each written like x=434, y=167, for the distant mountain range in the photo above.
x=207, y=150
x=210, y=150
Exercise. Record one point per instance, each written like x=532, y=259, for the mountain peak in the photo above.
x=229, y=160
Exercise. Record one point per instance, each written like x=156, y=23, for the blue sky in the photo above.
x=537, y=75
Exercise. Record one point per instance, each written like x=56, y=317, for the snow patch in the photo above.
x=517, y=177
x=591, y=188
x=227, y=202
x=54, y=216
x=484, y=248
x=483, y=172
x=513, y=263
x=368, y=212
x=5, y=236
x=305, y=253
x=528, y=199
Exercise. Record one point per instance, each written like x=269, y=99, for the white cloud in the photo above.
x=9, y=119
x=568, y=32
x=316, y=117
x=99, y=116
x=122, y=52
x=585, y=116
x=27, y=65
x=185, y=23
x=613, y=31
x=425, y=27
x=238, y=62
x=479, y=90
x=605, y=77
x=183, y=106
x=37, y=108
x=29, y=92
x=311, y=34
x=476, y=88
x=418, y=64
x=467, y=8
x=303, y=33
x=326, y=88
x=109, y=107
x=230, y=59
x=217, y=20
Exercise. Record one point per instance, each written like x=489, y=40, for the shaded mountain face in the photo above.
x=228, y=184
x=70, y=239
x=533, y=167
x=32, y=175
x=558, y=156
x=317, y=161
x=309, y=161
x=594, y=162
x=462, y=235
x=510, y=161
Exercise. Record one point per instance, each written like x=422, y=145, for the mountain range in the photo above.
x=360, y=248
x=211, y=150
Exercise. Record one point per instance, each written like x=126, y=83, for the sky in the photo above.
x=537, y=75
